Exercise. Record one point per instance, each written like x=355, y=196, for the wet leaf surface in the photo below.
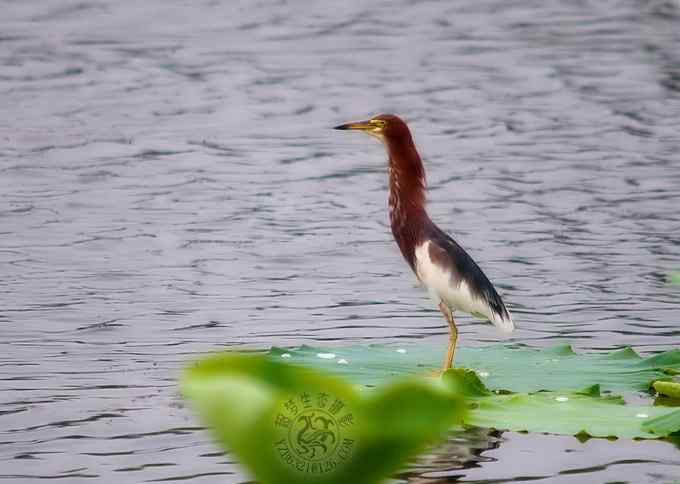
x=513, y=368
x=568, y=413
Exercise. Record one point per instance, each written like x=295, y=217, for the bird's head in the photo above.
x=385, y=127
x=407, y=174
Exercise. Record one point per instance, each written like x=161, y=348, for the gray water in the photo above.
x=169, y=185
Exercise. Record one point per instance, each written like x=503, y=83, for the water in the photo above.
x=169, y=185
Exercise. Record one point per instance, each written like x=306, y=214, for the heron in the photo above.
x=453, y=279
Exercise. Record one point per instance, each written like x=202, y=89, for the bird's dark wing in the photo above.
x=445, y=252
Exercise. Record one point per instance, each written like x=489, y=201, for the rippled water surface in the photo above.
x=169, y=185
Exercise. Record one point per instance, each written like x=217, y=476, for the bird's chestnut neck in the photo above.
x=406, y=175
x=408, y=218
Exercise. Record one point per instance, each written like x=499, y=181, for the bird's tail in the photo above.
x=502, y=320
x=496, y=312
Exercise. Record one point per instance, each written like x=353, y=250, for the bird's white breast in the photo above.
x=441, y=286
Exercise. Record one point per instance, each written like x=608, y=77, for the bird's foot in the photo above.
x=437, y=372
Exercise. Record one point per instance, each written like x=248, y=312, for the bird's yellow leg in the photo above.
x=453, y=334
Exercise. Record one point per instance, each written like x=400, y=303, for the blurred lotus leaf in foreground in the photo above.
x=289, y=424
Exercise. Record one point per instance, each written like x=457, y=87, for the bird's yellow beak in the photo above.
x=360, y=125
x=374, y=127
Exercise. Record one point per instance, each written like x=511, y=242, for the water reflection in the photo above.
x=464, y=449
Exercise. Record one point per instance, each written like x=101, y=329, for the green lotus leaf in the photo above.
x=668, y=388
x=663, y=425
x=289, y=424
x=511, y=368
x=566, y=413
x=552, y=390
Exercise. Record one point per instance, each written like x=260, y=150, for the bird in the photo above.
x=452, y=278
